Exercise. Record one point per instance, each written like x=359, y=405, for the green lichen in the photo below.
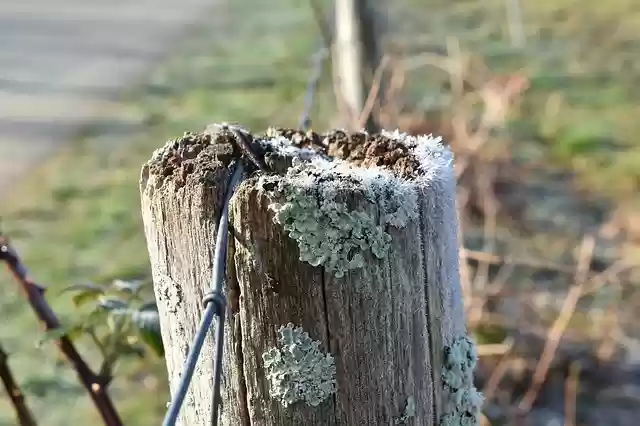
x=297, y=369
x=409, y=412
x=463, y=399
x=307, y=203
x=327, y=232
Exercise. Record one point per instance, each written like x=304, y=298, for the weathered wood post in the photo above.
x=345, y=305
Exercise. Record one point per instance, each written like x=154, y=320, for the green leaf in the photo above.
x=50, y=336
x=84, y=293
x=96, y=318
x=71, y=332
x=76, y=331
x=85, y=296
x=147, y=321
x=83, y=287
x=113, y=305
x=117, y=323
x=132, y=350
x=127, y=286
x=153, y=340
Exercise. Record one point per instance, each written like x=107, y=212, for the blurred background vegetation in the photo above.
x=537, y=99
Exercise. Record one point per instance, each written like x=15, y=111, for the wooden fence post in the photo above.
x=356, y=56
x=345, y=304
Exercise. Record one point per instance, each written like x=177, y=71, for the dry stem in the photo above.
x=23, y=413
x=94, y=384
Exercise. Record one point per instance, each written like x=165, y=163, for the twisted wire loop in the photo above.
x=214, y=301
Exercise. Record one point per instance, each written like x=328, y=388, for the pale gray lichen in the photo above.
x=329, y=233
x=463, y=400
x=409, y=412
x=297, y=369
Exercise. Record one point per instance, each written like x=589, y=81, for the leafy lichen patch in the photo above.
x=308, y=203
x=463, y=399
x=298, y=370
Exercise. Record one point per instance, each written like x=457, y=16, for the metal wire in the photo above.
x=215, y=305
x=318, y=62
x=325, y=26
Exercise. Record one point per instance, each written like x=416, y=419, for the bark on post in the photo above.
x=356, y=248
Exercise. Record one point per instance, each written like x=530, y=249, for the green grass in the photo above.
x=77, y=219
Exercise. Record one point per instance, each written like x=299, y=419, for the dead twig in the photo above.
x=571, y=394
x=498, y=374
x=94, y=384
x=23, y=413
x=389, y=112
x=561, y=323
x=373, y=93
x=492, y=349
x=465, y=273
x=495, y=259
x=490, y=206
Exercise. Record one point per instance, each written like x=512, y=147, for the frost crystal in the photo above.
x=297, y=370
x=433, y=156
x=284, y=146
x=464, y=401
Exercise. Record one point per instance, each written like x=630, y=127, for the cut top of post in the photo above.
x=419, y=159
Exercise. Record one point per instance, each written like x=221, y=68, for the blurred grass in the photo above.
x=77, y=219
x=583, y=52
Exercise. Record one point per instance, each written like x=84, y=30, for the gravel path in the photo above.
x=62, y=62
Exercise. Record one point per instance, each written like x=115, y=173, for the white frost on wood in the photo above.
x=285, y=147
x=437, y=184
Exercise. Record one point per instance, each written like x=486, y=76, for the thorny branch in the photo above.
x=23, y=413
x=95, y=385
